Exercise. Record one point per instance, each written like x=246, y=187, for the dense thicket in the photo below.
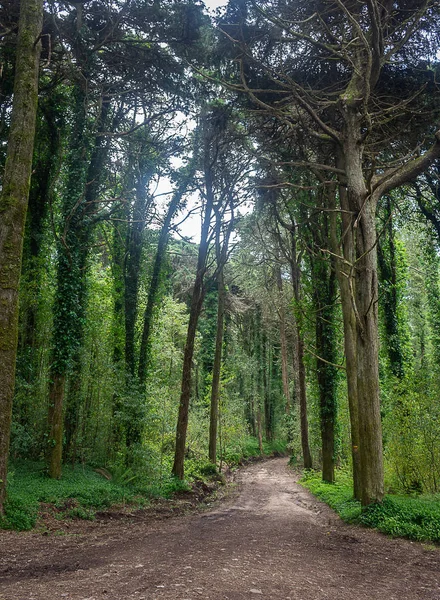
x=300, y=140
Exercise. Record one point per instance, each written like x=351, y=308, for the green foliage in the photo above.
x=398, y=516
x=338, y=495
x=79, y=493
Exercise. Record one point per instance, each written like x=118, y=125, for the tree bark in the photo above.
x=197, y=299
x=283, y=343
x=364, y=300
x=216, y=370
x=185, y=395
x=13, y=207
x=299, y=359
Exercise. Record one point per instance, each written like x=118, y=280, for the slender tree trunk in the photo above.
x=197, y=299
x=299, y=361
x=350, y=349
x=185, y=395
x=132, y=276
x=260, y=431
x=307, y=457
x=216, y=370
x=386, y=253
x=155, y=278
x=344, y=274
x=13, y=207
x=283, y=343
x=326, y=372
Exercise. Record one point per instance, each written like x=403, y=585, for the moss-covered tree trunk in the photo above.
x=13, y=206
x=79, y=203
x=326, y=371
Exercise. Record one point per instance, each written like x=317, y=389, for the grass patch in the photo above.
x=415, y=518
x=79, y=493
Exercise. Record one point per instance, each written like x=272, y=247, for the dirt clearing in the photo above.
x=270, y=540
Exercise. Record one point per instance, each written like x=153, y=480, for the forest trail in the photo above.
x=271, y=540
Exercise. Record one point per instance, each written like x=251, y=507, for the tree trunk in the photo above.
x=370, y=426
x=132, y=274
x=216, y=370
x=299, y=360
x=307, y=457
x=283, y=343
x=83, y=179
x=197, y=299
x=185, y=395
x=365, y=300
x=155, y=278
x=344, y=259
x=260, y=431
x=326, y=371
x=386, y=253
x=13, y=207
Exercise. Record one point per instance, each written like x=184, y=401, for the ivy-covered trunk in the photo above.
x=13, y=207
x=79, y=203
x=283, y=341
x=325, y=365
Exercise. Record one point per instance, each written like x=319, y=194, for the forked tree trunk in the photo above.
x=13, y=207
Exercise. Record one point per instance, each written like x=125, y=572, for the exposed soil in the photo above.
x=270, y=539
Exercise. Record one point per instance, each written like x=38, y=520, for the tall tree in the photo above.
x=13, y=206
x=340, y=99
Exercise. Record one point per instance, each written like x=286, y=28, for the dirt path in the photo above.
x=272, y=540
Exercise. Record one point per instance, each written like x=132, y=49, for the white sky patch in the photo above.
x=211, y=5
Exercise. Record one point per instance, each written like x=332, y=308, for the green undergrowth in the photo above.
x=415, y=518
x=82, y=491
x=250, y=449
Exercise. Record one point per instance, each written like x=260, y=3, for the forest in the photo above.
x=220, y=236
